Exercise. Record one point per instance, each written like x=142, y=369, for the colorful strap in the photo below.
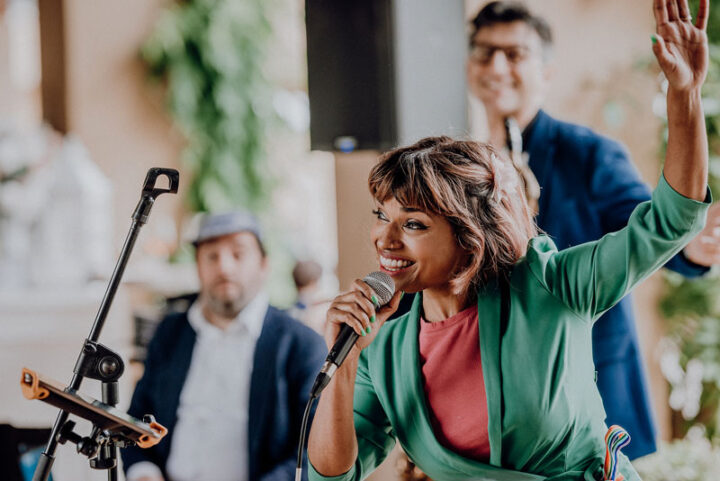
x=615, y=439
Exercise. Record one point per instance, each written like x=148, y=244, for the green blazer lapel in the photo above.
x=490, y=338
x=413, y=398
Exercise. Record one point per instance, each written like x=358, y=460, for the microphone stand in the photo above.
x=99, y=362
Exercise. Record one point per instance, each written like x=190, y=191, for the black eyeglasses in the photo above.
x=483, y=53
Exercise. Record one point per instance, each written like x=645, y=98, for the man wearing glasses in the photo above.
x=583, y=186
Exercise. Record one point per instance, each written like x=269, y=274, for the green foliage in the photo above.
x=688, y=298
x=692, y=306
x=210, y=53
x=692, y=311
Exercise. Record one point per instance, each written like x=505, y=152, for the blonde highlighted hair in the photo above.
x=475, y=188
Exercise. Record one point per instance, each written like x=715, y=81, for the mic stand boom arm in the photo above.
x=97, y=361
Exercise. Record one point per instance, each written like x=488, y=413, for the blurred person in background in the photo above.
x=230, y=376
x=490, y=375
x=308, y=307
x=587, y=187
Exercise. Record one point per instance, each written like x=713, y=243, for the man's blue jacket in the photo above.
x=288, y=356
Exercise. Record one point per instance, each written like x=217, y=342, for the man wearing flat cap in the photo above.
x=230, y=376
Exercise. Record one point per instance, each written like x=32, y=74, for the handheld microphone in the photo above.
x=384, y=288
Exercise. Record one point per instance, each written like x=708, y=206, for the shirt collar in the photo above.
x=250, y=320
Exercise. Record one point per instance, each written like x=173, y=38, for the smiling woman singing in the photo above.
x=490, y=375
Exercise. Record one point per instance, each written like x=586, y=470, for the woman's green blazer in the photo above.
x=545, y=416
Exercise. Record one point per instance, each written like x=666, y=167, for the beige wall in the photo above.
x=110, y=107
x=354, y=216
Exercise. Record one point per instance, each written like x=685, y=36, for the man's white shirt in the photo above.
x=210, y=439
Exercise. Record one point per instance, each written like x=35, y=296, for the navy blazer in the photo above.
x=288, y=356
x=589, y=188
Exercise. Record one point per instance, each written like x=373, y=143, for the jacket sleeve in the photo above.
x=142, y=402
x=616, y=189
x=615, y=185
x=682, y=265
x=372, y=428
x=592, y=277
x=304, y=365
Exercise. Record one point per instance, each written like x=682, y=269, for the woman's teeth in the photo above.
x=394, y=264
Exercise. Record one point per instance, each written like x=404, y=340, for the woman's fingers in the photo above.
x=665, y=59
x=354, y=308
x=360, y=298
x=684, y=10
x=360, y=286
x=387, y=310
x=382, y=315
x=702, y=16
x=359, y=313
x=661, y=13
x=673, y=10
x=337, y=315
x=680, y=47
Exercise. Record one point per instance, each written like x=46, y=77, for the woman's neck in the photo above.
x=440, y=304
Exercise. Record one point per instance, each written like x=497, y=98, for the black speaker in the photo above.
x=384, y=72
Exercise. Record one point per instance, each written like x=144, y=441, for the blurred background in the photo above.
x=94, y=93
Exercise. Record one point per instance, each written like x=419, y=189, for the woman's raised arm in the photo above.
x=681, y=48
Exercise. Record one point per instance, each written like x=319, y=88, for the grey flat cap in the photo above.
x=217, y=225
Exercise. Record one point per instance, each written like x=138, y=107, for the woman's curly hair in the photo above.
x=475, y=188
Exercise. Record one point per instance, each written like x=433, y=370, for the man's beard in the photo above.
x=226, y=308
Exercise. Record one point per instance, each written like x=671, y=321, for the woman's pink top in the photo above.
x=454, y=384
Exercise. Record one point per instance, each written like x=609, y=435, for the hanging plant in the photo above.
x=210, y=54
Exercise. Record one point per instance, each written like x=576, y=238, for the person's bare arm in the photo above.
x=681, y=49
x=332, y=445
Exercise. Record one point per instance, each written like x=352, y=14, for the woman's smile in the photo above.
x=394, y=265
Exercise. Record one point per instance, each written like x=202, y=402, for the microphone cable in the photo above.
x=303, y=436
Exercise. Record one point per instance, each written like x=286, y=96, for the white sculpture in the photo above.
x=55, y=213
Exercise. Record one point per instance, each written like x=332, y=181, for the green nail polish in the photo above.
x=372, y=318
x=653, y=38
x=362, y=331
x=374, y=300
x=369, y=329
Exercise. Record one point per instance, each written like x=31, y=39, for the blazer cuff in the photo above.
x=681, y=215
x=314, y=475
x=684, y=266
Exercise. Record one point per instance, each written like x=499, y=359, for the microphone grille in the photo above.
x=382, y=284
